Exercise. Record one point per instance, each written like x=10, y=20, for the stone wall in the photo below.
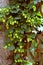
x=4, y=3
x=4, y=53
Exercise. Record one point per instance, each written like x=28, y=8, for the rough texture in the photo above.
x=4, y=3
x=39, y=38
x=4, y=53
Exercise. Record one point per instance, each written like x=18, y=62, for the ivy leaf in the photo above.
x=32, y=36
x=15, y=11
x=1, y=15
x=34, y=8
x=11, y=47
x=39, y=14
x=14, y=64
x=28, y=29
x=17, y=18
x=21, y=31
x=17, y=56
x=30, y=63
x=34, y=44
x=20, y=44
x=10, y=30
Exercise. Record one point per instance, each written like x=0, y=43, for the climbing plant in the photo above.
x=20, y=19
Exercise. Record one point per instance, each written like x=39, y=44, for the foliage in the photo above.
x=20, y=19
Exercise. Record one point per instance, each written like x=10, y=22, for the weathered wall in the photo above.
x=4, y=53
x=4, y=3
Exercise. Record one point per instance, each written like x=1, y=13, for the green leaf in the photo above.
x=17, y=18
x=14, y=64
x=17, y=56
x=11, y=47
x=15, y=11
x=34, y=8
x=33, y=36
x=1, y=15
x=39, y=14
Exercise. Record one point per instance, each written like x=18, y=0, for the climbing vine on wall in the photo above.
x=20, y=19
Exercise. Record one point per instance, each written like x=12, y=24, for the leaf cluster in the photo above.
x=20, y=19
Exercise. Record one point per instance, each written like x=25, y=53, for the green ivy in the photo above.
x=20, y=19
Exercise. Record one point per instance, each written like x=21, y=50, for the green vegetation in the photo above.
x=20, y=19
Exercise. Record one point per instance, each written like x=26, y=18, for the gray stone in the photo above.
x=4, y=3
x=4, y=53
